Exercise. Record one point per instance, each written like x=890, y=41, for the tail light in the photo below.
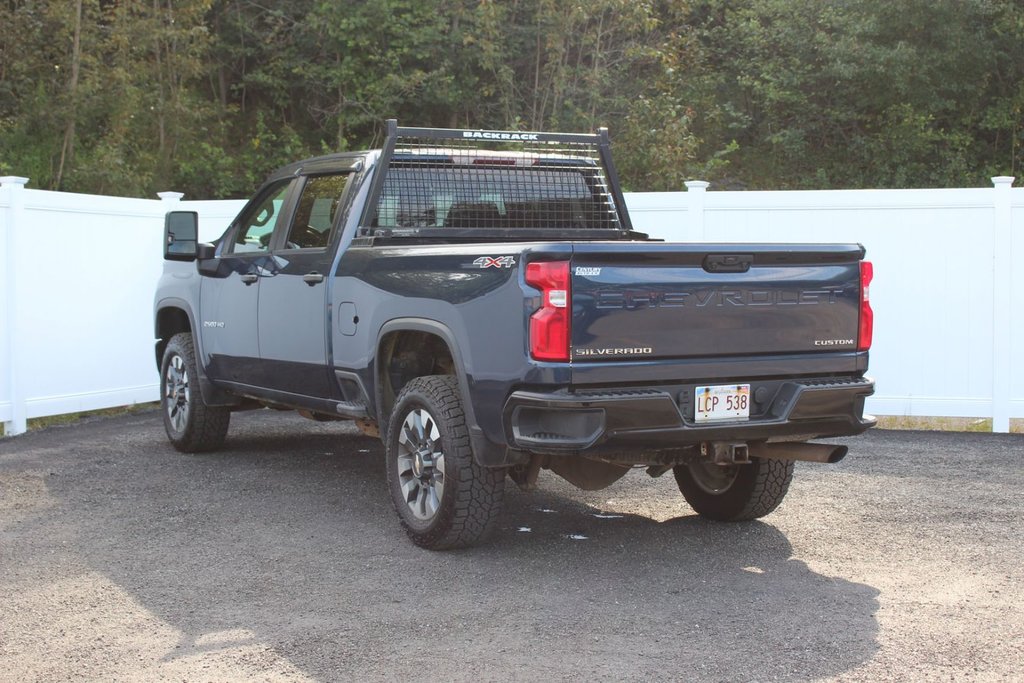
x=549, y=325
x=867, y=316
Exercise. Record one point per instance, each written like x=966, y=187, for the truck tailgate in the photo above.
x=645, y=301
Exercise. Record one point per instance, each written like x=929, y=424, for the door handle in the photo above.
x=249, y=278
x=313, y=278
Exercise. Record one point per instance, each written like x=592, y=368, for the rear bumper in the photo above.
x=662, y=418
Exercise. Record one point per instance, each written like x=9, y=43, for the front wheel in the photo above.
x=443, y=498
x=191, y=425
x=734, y=493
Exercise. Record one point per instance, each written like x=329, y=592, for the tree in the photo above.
x=861, y=93
x=207, y=96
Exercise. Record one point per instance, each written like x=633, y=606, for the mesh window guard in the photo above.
x=452, y=182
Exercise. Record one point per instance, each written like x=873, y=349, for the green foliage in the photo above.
x=865, y=93
x=207, y=96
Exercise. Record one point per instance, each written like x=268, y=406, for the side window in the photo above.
x=315, y=214
x=258, y=224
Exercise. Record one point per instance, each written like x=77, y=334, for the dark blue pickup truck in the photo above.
x=480, y=300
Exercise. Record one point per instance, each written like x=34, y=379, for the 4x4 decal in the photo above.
x=495, y=262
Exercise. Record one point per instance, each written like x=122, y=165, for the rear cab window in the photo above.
x=458, y=185
x=316, y=212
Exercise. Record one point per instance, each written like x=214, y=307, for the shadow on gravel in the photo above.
x=287, y=539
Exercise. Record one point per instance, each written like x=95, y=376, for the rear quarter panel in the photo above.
x=483, y=309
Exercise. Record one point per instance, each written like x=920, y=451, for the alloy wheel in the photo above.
x=421, y=474
x=177, y=394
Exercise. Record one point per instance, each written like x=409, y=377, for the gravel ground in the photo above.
x=280, y=558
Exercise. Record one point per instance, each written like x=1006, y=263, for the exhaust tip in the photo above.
x=807, y=452
x=837, y=454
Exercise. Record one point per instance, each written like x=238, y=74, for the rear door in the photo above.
x=293, y=301
x=652, y=301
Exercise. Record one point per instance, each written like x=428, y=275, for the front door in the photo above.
x=293, y=303
x=230, y=296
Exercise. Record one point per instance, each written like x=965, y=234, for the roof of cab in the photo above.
x=351, y=161
x=328, y=163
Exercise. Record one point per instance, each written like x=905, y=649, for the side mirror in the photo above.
x=181, y=235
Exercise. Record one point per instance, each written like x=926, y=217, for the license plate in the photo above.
x=723, y=402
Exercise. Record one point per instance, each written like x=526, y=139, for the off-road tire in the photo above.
x=756, y=490
x=191, y=425
x=471, y=496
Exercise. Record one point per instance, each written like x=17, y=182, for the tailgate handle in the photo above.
x=728, y=263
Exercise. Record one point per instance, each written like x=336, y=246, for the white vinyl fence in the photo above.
x=78, y=274
x=76, y=297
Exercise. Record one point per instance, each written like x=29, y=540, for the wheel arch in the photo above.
x=440, y=354
x=174, y=316
x=486, y=452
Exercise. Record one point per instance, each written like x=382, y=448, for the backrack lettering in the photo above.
x=498, y=136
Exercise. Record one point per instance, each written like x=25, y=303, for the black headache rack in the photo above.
x=482, y=184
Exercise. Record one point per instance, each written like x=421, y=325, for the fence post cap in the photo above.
x=13, y=181
x=1003, y=180
x=170, y=196
x=696, y=185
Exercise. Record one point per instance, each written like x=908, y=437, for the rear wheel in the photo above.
x=191, y=425
x=734, y=493
x=443, y=498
